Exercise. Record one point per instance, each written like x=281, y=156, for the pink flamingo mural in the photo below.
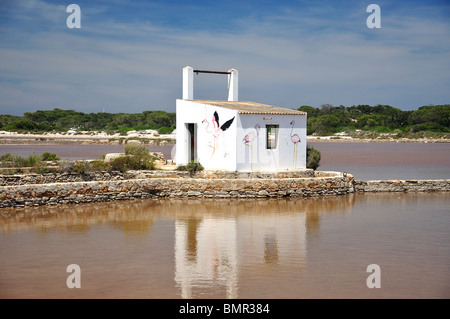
x=295, y=139
x=216, y=130
x=248, y=140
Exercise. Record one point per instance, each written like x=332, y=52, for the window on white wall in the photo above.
x=272, y=136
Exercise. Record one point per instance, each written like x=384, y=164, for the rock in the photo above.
x=110, y=156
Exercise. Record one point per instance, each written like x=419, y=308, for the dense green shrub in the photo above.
x=9, y=160
x=47, y=156
x=439, y=114
x=100, y=165
x=124, y=163
x=8, y=157
x=137, y=150
x=80, y=167
x=192, y=167
x=136, y=157
x=312, y=157
x=121, y=163
x=429, y=126
x=165, y=130
x=33, y=161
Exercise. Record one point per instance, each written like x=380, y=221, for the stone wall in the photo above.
x=402, y=185
x=266, y=185
x=28, y=179
x=52, y=189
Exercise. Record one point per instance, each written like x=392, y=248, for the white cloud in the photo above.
x=287, y=60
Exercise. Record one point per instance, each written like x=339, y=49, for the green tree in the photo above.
x=308, y=109
x=325, y=124
x=313, y=157
x=439, y=114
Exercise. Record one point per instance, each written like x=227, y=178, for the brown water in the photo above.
x=278, y=248
x=268, y=248
x=75, y=151
x=364, y=160
x=386, y=160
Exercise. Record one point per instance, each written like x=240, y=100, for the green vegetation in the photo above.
x=100, y=165
x=136, y=157
x=328, y=120
x=32, y=161
x=312, y=157
x=46, y=156
x=9, y=160
x=80, y=167
x=427, y=121
x=63, y=120
x=192, y=167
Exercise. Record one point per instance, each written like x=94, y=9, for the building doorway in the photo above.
x=192, y=141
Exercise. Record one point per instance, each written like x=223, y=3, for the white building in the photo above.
x=237, y=136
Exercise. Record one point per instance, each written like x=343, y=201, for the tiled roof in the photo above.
x=244, y=107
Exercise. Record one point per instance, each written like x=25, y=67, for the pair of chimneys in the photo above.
x=188, y=82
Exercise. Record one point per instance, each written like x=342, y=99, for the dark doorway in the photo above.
x=192, y=141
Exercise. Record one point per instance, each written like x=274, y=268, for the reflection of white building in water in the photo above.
x=205, y=252
x=275, y=238
x=209, y=252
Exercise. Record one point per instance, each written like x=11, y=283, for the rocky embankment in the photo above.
x=52, y=189
x=69, y=188
x=402, y=185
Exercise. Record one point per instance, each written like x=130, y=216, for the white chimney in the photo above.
x=188, y=83
x=233, y=84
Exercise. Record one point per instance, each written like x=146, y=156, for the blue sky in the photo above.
x=128, y=55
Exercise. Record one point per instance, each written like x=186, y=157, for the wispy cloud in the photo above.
x=290, y=56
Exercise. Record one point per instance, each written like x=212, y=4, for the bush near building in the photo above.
x=312, y=157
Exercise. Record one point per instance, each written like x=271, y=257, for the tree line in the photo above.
x=325, y=120
x=328, y=119
x=64, y=120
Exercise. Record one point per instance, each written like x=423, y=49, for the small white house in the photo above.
x=237, y=136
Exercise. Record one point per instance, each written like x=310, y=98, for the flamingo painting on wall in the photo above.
x=248, y=140
x=295, y=139
x=216, y=129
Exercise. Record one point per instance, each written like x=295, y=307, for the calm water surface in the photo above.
x=385, y=160
x=364, y=160
x=277, y=248
x=75, y=151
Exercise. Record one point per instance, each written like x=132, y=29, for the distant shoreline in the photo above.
x=87, y=138
x=169, y=139
x=333, y=139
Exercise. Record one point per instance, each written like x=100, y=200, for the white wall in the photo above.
x=227, y=151
x=213, y=151
x=265, y=159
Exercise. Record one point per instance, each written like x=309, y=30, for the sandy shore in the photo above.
x=138, y=138
x=86, y=135
x=334, y=139
x=85, y=138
